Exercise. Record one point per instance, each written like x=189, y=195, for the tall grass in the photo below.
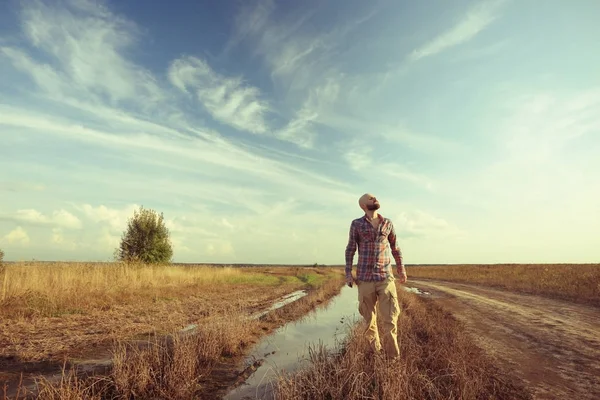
x=438, y=361
x=50, y=289
x=575, y=282
x=180, y=366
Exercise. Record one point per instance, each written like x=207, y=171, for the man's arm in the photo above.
x=351, y=250
x=396, y=252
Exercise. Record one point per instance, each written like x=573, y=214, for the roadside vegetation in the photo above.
x=132, y=315
x=438, y=361
x=573, y=282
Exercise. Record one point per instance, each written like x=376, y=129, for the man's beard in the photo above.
x=373, y=207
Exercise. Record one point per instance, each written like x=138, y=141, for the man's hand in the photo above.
x=402, y=272
x=349, y=281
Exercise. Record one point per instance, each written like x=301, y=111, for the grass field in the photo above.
x=52, y=313
x=580, y=283
x=53, y=289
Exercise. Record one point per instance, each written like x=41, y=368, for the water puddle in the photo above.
x=287, y=299
x=415, y=290
x=290, y=298
x=287, y=348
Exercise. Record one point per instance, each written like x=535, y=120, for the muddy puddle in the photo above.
x=286, y=349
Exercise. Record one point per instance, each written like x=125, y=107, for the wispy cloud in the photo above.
x=80, y=77
x=297, y=57
x=539, y=125
x=362, y=158
x=477, y=18
x=87, y=44
x=233, y=162
x=227, y=99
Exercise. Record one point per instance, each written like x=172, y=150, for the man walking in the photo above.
x=374, y=235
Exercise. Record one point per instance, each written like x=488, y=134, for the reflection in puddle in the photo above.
x=287, y=299
x=287, y=347
x=290, y=298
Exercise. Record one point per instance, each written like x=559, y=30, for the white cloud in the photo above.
x=296, y=57
x=88, y=42
x=280, y=43
x=221, y=248
x=300, y=129
x=188, y=225
x=17, y=236
x=115, y=219
x=58, y=238
x=417, y=223
x=59, y=218
x=45, y=76
x=477, y=18
x=108, y=241
x=228, y=100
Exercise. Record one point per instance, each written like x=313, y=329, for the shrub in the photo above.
x=146, y=239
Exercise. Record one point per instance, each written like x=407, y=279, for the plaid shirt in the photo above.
x=374, y=261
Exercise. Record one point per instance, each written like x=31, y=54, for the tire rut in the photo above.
x=553, y=345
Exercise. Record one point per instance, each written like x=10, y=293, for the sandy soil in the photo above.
x=553, y=345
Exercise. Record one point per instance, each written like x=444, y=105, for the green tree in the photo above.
x=146, y=239
x=1, y=256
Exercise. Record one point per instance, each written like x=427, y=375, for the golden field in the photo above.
x=52, y=314
x=573, y=282
x=55, y=314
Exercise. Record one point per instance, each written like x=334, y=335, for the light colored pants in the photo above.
x=382, y=294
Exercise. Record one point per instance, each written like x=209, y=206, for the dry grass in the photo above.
x=32, y=290
x=438, y=361
x=574, y=282
x=183, y=367
x=171, y=367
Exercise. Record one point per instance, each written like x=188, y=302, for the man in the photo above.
x=374, y=235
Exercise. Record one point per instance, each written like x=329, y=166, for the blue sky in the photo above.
x=255, y=126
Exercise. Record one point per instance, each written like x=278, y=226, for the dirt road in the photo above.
x=553, y=345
